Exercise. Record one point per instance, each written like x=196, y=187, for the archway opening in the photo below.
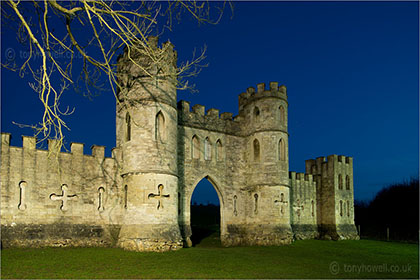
x=205, y=215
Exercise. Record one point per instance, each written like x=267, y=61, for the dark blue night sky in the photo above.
x=351, y=71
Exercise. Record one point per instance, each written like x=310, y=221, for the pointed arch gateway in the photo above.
x=186, y=211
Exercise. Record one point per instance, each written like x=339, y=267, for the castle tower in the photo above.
x=264, y=115
x=147, y=138
x=335, y=196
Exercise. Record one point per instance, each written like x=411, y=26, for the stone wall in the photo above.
x=303, y=206
x=48, y=200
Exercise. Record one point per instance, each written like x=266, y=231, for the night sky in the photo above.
x=351, y=71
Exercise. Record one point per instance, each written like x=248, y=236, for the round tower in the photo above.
x=146, y=121
x=265, y=114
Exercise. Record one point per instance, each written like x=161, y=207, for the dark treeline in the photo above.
x=395, y=207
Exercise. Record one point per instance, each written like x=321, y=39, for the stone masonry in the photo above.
x=140, y=198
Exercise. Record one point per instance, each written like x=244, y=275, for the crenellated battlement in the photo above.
x=76, y=149
x=322, y=164
x=300, y=176
x=166, y=51
x=140, y=67
x=251, y=95
x=211, y=119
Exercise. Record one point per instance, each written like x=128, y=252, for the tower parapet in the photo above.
x=145, y=75
x=251, y=95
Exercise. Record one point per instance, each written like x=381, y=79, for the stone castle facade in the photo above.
x=139, y=199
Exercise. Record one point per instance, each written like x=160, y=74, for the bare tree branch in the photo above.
x=114, y=26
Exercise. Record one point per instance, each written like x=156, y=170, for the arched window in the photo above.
x=207, y=149
x=256, y=113
x=340, y=182
x=313, y=208
x=219, y=150
x=282, y=150
x=281, y=115
x=341, y=208
x=160, y=129
x=256, y=150
x=128, y=127
x=195, y=147
x=347, y=182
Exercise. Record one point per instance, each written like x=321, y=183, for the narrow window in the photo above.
x=347, y=182
x=22, y=188
x=195, y=145
x=341, y=208
x=125, y=196
x=344, y=208
x=255, y=203
x=160, y=129
x=340, y=182
x=219, y=150
x=256, y=150
x=282, y=150
x=179, y=203
x=313, y=208
x=281, y=115
x=282, y=203
x=128, y=127
x=101, y=199
x=235, y=212
x=348, y=208
x=207, y=149
x=256, y=113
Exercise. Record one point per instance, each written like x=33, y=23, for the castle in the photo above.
x=139, y=199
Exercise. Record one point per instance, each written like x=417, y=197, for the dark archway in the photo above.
x=205, y=215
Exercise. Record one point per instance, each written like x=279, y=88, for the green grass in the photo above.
x=302, y=259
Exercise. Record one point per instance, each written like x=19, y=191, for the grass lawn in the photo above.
x=302, y=259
